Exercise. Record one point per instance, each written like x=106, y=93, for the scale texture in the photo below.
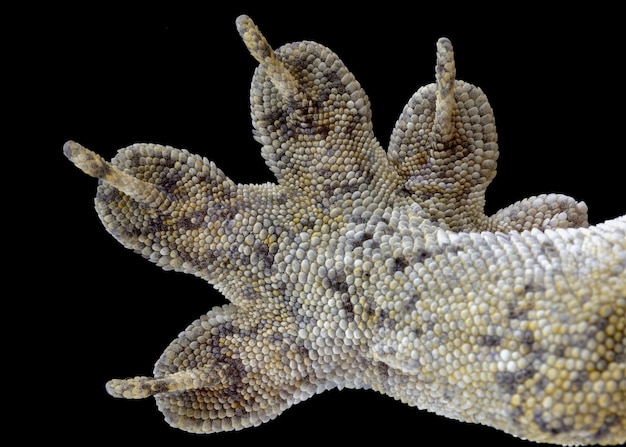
x=374, y=269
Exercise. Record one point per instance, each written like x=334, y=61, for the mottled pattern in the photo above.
x=366, y=268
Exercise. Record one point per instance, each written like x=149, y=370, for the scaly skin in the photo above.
x=370, y=269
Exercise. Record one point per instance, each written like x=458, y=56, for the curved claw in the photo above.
x=94, y=165
x=445, y=75
x=137, y=388
x=141, y=387
x=261, y=50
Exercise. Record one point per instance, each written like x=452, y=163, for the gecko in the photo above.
x=367, y=268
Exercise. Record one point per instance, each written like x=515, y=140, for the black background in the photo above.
x=109, y=76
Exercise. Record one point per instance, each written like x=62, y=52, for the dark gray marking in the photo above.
x=361, y=238
x=559, y=351
x=348, y=307
x=528, y=337
x=609, y=421
x=265, y=254
x=191, y=221
x=336, y=281
x=488, y=340
x=541, y=384
x=549, y=249
x=601, y=323
x=579, y=380
x=509, y=381
x=421, y=255
x=155, y=388
x=357, y=220
x=553, y=427
x=399, y=264
x=411, y=302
